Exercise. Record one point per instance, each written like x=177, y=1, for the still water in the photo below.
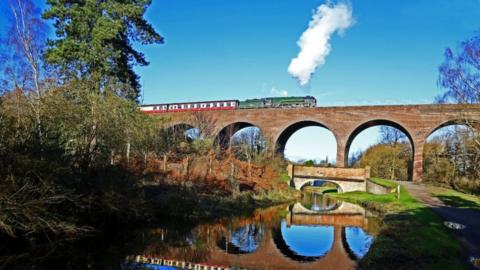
x=314, y=233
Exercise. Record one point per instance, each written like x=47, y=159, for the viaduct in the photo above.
x=416, y=121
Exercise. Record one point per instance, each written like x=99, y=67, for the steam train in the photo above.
x=258, y=103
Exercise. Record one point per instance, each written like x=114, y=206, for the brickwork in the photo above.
x=417, y=121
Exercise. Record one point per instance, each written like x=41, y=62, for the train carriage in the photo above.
x=191, y=106
x=259, y=103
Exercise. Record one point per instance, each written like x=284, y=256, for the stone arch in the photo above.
x=175, y=129
x=254, y=231
x=225, y=134
x=287, y=251
x=373, y=123
x=472, y=125
x=475, y=124
x=339, y=187
x=380, y=122
x=287, y=132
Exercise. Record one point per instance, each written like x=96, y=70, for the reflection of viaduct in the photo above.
x=271, y=254
x=274, y=253
x=416, y=121
x=345, y=214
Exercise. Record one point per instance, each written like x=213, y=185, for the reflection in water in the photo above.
x=307, y=241
x=316, y=233
x=245, y=239
x=319, y=203
x=358, y=241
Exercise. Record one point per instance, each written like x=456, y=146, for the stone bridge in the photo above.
x=346, y=179
x=416, y=121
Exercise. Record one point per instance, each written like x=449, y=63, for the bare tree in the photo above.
x=394, y=137
x=248, y=144
x=23, y=67
x=205, y=124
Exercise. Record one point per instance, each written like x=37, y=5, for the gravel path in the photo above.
x=470, y=236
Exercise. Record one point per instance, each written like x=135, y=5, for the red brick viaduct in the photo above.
x=416, y=121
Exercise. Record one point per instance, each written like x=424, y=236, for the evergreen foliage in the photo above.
x=95, y=41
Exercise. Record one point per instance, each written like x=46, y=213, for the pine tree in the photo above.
x=94, y=41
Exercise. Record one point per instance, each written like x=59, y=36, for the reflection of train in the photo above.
x=259, y=103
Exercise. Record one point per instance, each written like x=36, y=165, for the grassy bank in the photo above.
x=455, y=198
x=412, y=236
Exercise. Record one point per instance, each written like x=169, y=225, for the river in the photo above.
x=316, y=232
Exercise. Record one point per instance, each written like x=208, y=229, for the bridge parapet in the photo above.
x=347, y=179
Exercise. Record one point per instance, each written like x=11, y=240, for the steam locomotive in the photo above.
x=258, y=103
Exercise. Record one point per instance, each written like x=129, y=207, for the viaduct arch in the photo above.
x=416, y=121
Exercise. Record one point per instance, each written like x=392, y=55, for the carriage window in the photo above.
x=233, y=103
x=203, y=105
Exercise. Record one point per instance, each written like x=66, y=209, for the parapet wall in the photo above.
x=377, y=189
x=329, y=173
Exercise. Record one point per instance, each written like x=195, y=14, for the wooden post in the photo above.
x=210, y=164
x=112, y=154
x=164, y=162
x=232, y=169
x=128, y=152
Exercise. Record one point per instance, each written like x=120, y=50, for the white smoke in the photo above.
x=274, y=91
x=314, y=42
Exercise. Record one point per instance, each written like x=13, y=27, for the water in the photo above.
x=314, y=233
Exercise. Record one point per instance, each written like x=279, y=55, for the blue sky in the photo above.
x=238, y=49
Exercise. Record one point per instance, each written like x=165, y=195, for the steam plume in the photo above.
x=314, y=42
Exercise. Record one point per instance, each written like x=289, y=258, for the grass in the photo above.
x=383, y=182
x=455, y=198
x=412, y=236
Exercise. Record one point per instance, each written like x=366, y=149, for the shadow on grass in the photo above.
x=414, y=239
x=457, y=201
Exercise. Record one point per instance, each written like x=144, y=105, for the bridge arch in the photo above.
x=351, y=237
x=310, y=181
x=380, y=122
x=293, y=127
x=293, y=249
x=180, y=131
x=445, y=148
x=475, y=124
x=243, y=239
x=225, y=134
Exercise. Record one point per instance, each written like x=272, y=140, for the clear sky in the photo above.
x=238, y=49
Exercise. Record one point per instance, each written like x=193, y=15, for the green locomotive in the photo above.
x=278, y=102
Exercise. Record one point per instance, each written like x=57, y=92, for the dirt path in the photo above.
x=470, y=236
